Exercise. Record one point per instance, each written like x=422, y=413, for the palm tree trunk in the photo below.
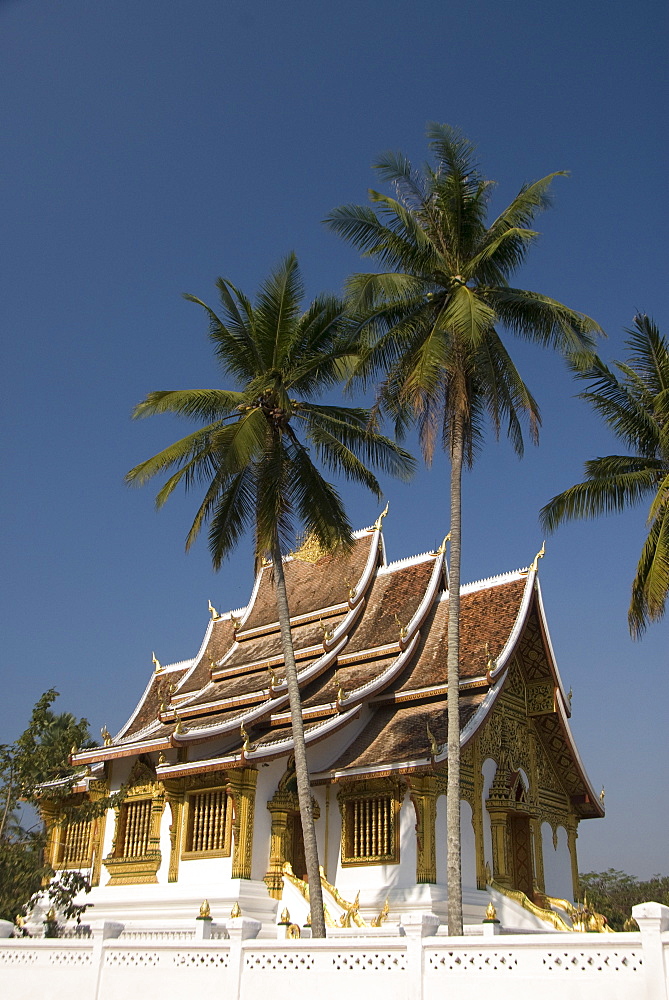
x=454, y=868
x=301, y=768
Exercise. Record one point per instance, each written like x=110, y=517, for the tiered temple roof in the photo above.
x=369, y=637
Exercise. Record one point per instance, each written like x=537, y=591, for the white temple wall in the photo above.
x=488, y=770
x=268, y=782
x=557, y=863
x=441, y=840
x=165, y=821
x=378, y=879
x=467, y=846
x=332, y=818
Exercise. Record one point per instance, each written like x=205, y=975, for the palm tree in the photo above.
x=635, y=405
x=257, y=472
x=430, y=325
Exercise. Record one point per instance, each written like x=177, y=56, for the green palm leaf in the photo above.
x=634, y=405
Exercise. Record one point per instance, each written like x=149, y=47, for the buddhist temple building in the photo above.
x=209, y=807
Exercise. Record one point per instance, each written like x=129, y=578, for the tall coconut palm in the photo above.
x=431, y=325
x=257, y=472
x=635, y=405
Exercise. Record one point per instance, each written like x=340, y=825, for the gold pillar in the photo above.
x=539, y=878
x=501, y=861
x=176, y=796
x=280, y=806
x=48, y=810
x=98, y=790
x=477, y=818
x=242, y=785
x=424, y=798
x=572, y=834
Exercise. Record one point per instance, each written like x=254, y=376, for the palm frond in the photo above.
x=233, y=340
x=649, y=354
x=277, y=310
x=317, y=503
x=202, y=404
x=651, y=583
x=179, y=453
x=547, y=322
x=233, y=515
x=614, y=483
x=353, y=430
x=467, y=317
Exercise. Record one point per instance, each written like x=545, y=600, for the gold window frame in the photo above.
x=188, y=853
x=126, y=810
x=85, y=859
x=357, y=795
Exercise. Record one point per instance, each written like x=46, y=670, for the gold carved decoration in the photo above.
x=381, y=917
x=283, y=806
x=310, y=549
x=138, y=861
x=379, y=521
x=423, y=793
x=540, y=696
x=242, y=787
x=535, y=562
x=370, y=821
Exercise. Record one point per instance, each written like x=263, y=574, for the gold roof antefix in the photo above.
x=442, y=548
x=535, y=562
x=379, y=520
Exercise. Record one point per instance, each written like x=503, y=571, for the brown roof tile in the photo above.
x=486, y=616
x=311, y=586
x=158, y=692
x=221, y=638
x=399, y=732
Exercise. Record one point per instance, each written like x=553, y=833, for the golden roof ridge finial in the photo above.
x=327, y=632
x=340, y=691
x=540, y=554
x=403, y=628
x=214, y=614
x=106, y=736
x=379, y=520
x=247, y=746
x=442, y=548
x=156, y=662
x=435, y=749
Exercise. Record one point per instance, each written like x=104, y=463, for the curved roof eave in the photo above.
x=166, y=669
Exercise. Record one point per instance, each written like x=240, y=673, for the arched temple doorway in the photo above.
x=286, y=842
x=511, y=818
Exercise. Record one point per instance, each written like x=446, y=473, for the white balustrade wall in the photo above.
x=113, y=966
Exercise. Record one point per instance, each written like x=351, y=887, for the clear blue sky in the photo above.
x=149, y=147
